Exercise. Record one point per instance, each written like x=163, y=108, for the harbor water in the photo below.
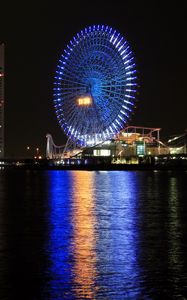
x=109, y=235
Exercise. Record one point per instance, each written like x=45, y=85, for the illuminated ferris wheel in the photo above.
x=95, y=85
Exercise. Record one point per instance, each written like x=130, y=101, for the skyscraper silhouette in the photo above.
x=1, y=100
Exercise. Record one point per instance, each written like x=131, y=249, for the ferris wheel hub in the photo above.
x=84, y=101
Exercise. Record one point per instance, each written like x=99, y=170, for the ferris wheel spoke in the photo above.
x=73, y=82
x=120, y=94
x=69, y=109
x=113, y=87
x=72, y=92
x=76, y=74
x=113, y=80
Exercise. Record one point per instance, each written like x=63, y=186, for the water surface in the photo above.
x=93, y=235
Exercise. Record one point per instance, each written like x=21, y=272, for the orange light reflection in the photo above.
x=84, y=239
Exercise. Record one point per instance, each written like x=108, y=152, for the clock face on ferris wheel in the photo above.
x=95, y=85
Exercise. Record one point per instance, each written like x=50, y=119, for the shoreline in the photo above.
x=99, y=167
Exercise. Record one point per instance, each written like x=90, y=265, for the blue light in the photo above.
x=128, y=61
x=58, y=244
x=121, y=117
x=59, y=72
x=119, y=123
x=66, y=52
x=131, y=84
x=112, y=38
x=119, y=43
x=125, y=50
x=128, y=102
x=127, y=108
x=131, y=78
x=130, y=96
x=128, y=90
x=82, y=74
x=127, y=55
x=114, y=126
x=118, y=261
x=116, y=39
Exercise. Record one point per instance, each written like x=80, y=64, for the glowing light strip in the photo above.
x=127, y=90
x=128, y=61
x=131, y=78
x=126, y=107
x=111, y=38
x=111, y=129
x=124, y=113
x=128, y=102
x=57, y=89
x=118, y=123
x=131, y=72
x=120, y=117
x=129, y=96
x=114, y=126
x=128, y=67
x=131, y=84
x=127, y=55
x=125, y=50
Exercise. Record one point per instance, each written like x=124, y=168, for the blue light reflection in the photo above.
x=60, y=231
x=93, y=241
x=118, y=236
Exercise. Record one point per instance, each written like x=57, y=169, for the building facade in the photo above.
x=1, y=101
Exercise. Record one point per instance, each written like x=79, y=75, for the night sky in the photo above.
x=35, y=36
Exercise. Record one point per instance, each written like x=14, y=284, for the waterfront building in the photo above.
x=178, y=143
x=133, y=145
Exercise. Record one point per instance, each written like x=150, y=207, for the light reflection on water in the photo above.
x=117, y=228
x=93, y=235
x=84, y=235
x=175, y=237
x=60, y=233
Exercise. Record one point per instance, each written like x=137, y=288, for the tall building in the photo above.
x=1, y=101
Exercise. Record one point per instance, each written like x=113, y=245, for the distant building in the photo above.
x=1, y=100
x=178, y=143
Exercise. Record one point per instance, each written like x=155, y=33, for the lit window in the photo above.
x=102, y=152
x=84, y=101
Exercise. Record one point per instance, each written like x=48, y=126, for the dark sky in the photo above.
x=36, y=34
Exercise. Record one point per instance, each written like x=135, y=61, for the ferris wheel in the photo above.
x=95, y=85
